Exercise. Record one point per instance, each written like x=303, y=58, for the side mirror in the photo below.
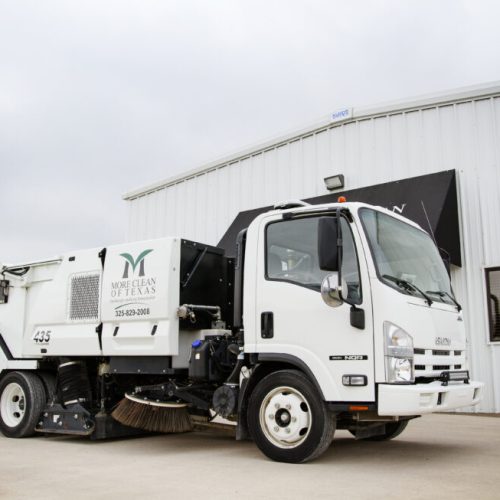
x=330, y=290
x=328, y=238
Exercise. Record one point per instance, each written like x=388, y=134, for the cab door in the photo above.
x=292, y=320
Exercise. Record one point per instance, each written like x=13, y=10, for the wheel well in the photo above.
x=260, y=371
x=43, y=375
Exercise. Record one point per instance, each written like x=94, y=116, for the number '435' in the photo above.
x=42, y=336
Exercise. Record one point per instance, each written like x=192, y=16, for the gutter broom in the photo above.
x=153, y=416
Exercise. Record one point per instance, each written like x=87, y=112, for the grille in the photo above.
x=428, y=361
x=439, y=352
x=84, y=296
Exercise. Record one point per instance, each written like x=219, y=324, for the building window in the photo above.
x=493, y=296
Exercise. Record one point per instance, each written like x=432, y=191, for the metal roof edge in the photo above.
x=398, y=106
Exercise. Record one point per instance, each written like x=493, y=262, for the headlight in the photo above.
x=398, y=354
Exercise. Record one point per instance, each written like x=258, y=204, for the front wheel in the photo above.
x=288, y=419
x=22, y=398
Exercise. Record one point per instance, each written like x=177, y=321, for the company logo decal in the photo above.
x=349, y=357
x=134, y=283
x=131, y=262
x=443, y=341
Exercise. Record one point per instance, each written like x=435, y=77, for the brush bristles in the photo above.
x=152, y=418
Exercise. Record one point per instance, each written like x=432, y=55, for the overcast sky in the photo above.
x=101, y=97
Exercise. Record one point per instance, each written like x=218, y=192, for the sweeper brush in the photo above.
x=153, y=416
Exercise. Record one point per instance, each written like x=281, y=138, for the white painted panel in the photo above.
x=323, y=162
x=245, y=188
x=190, y=207
x=181, y=209
x=210, y=210
x=381, y=157
x=362, y=161
x=488, y=173
x=414, y=142
x=168, y=211
x=281, y=190
x=337, y=141
x=171, y=214
x=146, y=215
x=223, y=219
x=398, y=150
x=295, y=180
x=308, y=167
x=431, y=140
x=351, y=156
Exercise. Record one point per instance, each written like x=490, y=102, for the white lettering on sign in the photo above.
x=341, y=114
x=399, y=210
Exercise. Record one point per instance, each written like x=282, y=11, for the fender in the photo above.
x=8, y=361
x=247, y=385
x=291, y=360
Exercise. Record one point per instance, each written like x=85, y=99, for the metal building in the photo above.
x=457, y=131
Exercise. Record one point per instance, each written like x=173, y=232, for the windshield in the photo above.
x=406, y=258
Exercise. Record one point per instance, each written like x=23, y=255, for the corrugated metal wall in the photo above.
x=380, y=147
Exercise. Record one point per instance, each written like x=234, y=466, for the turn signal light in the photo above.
x=358, y=408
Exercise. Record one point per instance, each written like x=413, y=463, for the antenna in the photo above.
x=429, y=223
x=435, y=243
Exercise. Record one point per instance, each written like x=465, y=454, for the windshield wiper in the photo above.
x=442, y=293
x=409, y=286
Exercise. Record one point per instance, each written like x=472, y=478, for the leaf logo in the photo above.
x=130, y=262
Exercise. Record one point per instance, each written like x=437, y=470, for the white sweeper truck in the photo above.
x=334, y=316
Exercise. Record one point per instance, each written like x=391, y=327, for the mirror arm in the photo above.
x=339, y=246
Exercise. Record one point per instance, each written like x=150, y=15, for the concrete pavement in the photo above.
x=438, y=456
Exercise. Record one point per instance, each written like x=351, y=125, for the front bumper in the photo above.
x=399, y=400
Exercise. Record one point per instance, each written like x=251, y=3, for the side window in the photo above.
x=292, y=255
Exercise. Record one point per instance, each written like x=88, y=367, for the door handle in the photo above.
x=267, y=325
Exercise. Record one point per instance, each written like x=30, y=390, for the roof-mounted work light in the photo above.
x=334, y=182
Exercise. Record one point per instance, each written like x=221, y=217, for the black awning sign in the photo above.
x=429, y=200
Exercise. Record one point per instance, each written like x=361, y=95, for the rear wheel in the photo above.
x=22, y=398
x=288, y=419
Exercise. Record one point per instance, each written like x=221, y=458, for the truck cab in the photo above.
x=359, y=300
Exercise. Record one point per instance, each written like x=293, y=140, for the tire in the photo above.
x=50, y=385
x=22, y=399
x=288, y=419
x=392, y=430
